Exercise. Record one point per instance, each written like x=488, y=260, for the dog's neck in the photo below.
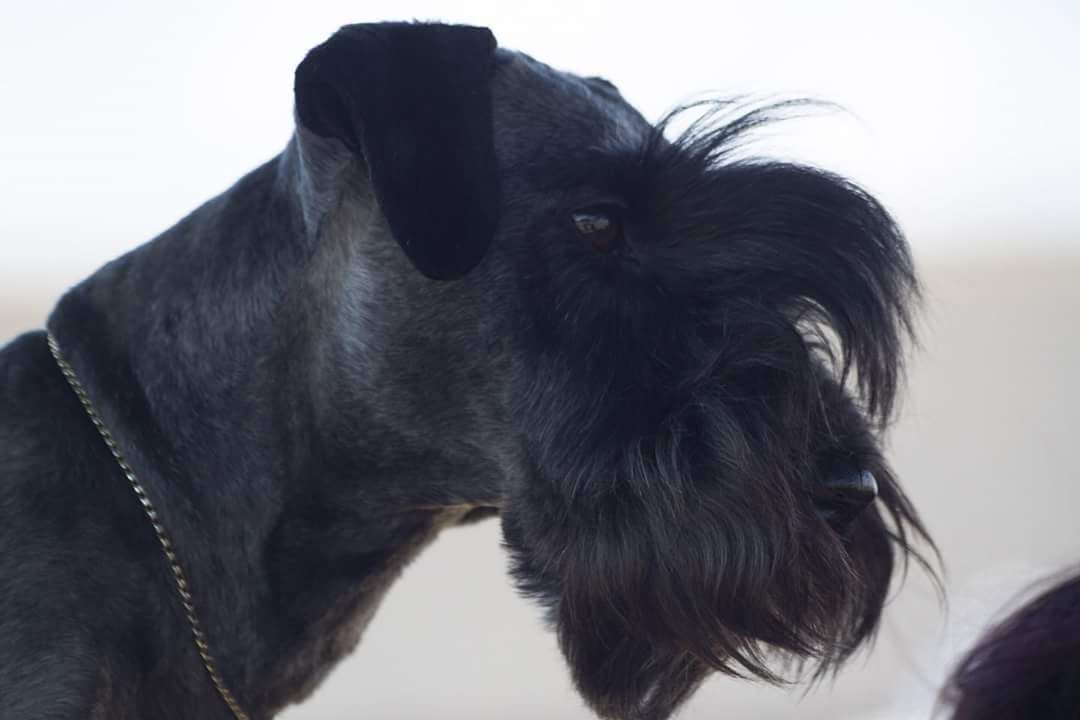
x=305, y=409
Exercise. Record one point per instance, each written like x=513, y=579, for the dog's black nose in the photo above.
x=845, y=494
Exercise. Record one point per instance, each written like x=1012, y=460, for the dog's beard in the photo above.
x=669, y=522
x=704, y=555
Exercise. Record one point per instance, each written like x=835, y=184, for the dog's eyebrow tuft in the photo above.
x=805, y=240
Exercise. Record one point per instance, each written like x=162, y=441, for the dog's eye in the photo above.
x=601, y=227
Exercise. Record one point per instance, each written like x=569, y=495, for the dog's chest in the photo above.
x=338, y=628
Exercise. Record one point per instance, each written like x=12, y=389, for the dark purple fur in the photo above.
x=1027, y=665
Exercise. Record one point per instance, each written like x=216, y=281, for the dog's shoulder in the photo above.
x=39, y=625
x=36, y=409
x=25, y=358
x=32, y=407
x=83, y=596
x=64, y=506
x=40, y=442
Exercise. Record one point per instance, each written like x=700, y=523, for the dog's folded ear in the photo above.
x=414, y=102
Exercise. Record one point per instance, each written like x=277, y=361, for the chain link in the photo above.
x=179, y=578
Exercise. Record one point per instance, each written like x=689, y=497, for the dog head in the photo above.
x=702, y=353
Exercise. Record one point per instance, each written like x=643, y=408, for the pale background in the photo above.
x=118, y=118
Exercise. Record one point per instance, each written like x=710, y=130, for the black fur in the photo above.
x=675, y=431
x=683, y=411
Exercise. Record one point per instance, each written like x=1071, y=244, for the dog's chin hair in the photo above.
x=650, y=597
x=671, y=531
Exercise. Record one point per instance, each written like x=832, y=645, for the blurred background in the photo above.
x=120, y=117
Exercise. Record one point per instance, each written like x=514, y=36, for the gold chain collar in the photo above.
x=179, y=578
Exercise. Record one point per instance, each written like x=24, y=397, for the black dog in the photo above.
x=469, y=284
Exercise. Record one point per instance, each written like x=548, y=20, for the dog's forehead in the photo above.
x=540, y=109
